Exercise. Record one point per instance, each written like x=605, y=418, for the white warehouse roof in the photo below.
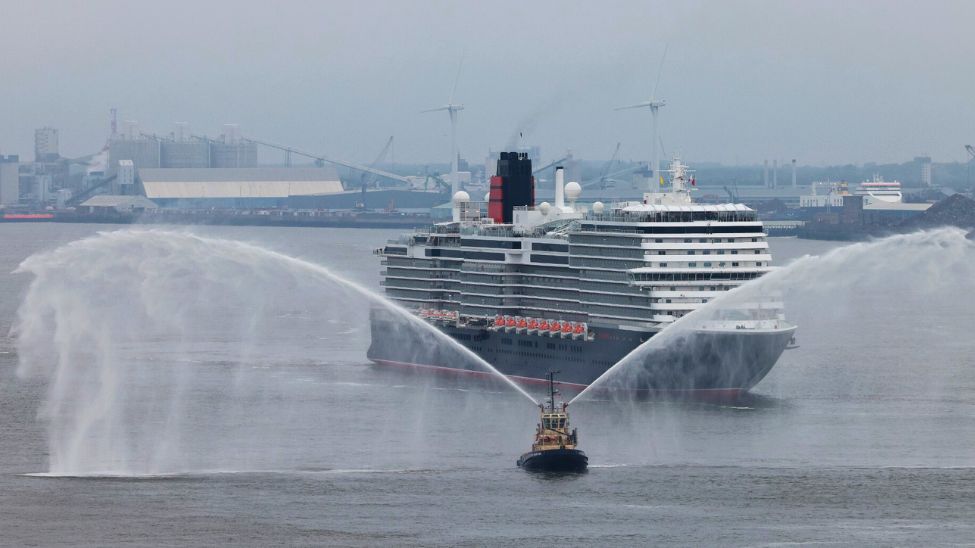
x=258, y=182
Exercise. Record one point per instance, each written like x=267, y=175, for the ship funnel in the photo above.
x=559, y=188
x=513, y=186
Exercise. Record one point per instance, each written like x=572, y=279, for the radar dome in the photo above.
x=598, y=207
x=544, y=207
x=461, y=197
x=572, y=191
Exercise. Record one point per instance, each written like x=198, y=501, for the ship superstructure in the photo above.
x=878, y=190
x=533, y=287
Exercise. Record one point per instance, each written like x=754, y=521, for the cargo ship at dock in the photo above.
x=559, y=286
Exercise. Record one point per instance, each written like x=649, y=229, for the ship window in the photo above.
x=691, y=252
x=734, y=264
x=661, y=252
x=691, y=264
x=659, y=241
x=561, y=423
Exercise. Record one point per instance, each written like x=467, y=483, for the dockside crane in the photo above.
x=321, y=160
x=368, y=179
x=550, y=165
x=605, y=177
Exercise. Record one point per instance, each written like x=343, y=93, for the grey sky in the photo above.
x=825, y=82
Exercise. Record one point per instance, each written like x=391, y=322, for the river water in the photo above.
x=864, y=435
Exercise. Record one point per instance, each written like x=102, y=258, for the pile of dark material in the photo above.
x=955, y=210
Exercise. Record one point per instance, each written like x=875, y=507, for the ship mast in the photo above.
x=551, y=390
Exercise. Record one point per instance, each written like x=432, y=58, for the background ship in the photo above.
x=530, y=288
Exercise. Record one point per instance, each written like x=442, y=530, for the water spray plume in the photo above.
x=119, y=323
x=922, y=261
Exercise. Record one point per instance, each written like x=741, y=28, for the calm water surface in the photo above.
x=864, y=435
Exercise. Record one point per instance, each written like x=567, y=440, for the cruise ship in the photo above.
x=533, y=288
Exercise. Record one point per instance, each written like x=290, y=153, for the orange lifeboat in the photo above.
x=522, y=323
x=510, y=322
x=499, y=321
x=533, y=324
x=579, y=330
x=556, y=326
x=567, y=327
x=543, y=325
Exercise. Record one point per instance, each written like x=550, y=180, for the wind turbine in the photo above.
x=654, y=105
x=452, y=110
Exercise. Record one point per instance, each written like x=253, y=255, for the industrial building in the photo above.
x=46, y=145
x=924, y=162
x=150, y=151
x=9, y=180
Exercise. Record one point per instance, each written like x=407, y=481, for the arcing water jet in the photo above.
x=931, y=261
x=118, y=322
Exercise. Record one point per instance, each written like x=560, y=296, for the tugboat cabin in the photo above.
x=553, y=431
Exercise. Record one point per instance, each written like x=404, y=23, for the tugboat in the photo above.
x=554, y=449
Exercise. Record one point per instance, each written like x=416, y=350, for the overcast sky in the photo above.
x=824, y=82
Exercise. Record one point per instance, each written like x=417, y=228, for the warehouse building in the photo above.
x=238, y=188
